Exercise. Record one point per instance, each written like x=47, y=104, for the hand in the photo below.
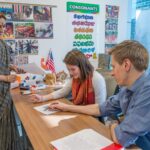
x=20, y=71
x=57, y=105
x=36, y=98
x=10, y=78
x=16, y=69
x=112, y=130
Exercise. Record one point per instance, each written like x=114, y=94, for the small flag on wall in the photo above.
x=50, y=62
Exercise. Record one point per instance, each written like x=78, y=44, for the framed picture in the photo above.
x=27, y=47
x=7, y=10
x=8, y=31
x=42, y=13
x=20, y=60
x=43, y=30
x=24, y=30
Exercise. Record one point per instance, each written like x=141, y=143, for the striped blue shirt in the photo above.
x=134, y=103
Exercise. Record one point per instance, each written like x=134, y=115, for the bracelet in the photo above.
x=7, y=78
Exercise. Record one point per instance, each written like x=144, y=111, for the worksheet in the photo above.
x=45, y=109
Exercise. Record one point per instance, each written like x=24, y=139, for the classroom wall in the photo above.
x=59, y=43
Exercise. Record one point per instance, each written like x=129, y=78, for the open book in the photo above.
x=86, y=139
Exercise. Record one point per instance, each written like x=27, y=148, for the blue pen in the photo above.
x=46, y=108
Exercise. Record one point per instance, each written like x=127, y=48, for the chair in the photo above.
x=104, y=61
x=110, y=82
x=104, y=69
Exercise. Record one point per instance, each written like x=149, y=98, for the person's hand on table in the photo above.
x=10, y=78
x=112, y=129
x=57, y=105
x=36, y=98
x=16, y=69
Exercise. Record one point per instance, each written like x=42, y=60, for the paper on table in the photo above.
x=32, y=68
x=87, y=139
x=44, y=109
x=14, y=85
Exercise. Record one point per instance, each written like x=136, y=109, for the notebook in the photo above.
x=86, y=139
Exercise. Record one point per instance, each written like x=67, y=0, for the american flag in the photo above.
x=50, y=62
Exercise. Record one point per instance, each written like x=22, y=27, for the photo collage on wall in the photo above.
x=25, y=24
x=111, y=27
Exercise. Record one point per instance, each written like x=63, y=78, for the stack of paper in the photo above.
x=86, y=139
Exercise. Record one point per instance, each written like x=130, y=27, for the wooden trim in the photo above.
x=29, y=4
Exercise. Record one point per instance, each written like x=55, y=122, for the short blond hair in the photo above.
x=132, y=50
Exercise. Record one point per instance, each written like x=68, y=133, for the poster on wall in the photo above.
x=22, y=12
x=24, y=30
x=43, y=30
x=111, y=26
x=20, y=60
x=7, y=10
x=11, y=45
x=42, y=13
x=27, y=47
x=82, y=27
x=12, y=50
x=8, y=31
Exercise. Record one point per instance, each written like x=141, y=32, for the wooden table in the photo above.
x=42, y=129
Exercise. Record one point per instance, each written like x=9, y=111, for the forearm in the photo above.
x=53, y=95
x=47, y=97
x=3, y=78
x=88, y=109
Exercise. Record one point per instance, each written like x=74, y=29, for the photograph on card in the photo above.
x=12, y=50
x=27, y=14
x=7, y=10
x=8, y=31
x=108, y=47
x=27, y=47
x=111, y=24
x=111, y=37
x=24, y=30
x=112, y=11
x=22, y=12
x=19, y=60
x=43, y=30
x=42, y=13
x=11, y=45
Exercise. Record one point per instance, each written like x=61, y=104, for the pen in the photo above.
x=46, y=108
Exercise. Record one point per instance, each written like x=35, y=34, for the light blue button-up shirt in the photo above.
x=134, y=103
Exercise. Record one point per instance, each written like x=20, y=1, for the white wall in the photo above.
x=59, y=43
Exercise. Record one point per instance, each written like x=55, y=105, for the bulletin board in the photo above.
x=25, y=25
